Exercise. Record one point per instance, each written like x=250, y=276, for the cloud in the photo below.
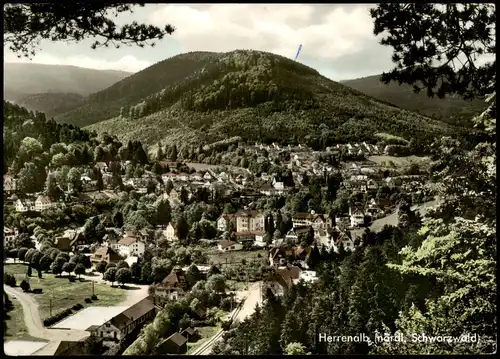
x=337, y=40
x=127, y=63
x=331, y=33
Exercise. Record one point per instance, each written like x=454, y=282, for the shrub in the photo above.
x=226, y=325
x=77, y=306
x=57, y=317
x=94, y=297
x=9, y=279
x=88, y=300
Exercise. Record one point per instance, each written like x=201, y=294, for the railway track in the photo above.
x=202, y=350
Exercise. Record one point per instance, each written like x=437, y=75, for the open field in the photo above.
x=63, y=293
x=388, y=136
x=15, y=326
x=233, y=257
x=205, y=334
x=399, y=161
x=203, y=167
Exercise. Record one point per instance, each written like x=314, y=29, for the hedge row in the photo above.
x=65, y=313
x=58, y=317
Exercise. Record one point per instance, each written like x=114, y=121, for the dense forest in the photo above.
x=50, y=103
x=21, y=79
x=453, y=110
x=251, y=94
x=429, y=282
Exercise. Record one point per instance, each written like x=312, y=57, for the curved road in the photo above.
x=34, y=322
x=35, y=325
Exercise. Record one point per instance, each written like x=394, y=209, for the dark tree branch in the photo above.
x=25, y=25
x=423, y=34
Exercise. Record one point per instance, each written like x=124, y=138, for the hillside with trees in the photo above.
x=206, y=97
x=452, y=110
x=50, y=103
x=428, y=278
x=22, y=79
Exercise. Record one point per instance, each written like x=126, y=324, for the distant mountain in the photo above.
x=21, y=79
x=452, y=109
x=50, y=103
x=203, y=97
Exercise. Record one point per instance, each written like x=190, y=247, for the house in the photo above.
x=357, y=217
x=224, y=220
x=301, y=254
x=301, y=219
x=79, y=240
x=259, y=238
x=321, y=236
x=170, y=233
x=321, y=222
x=291, y=236
x=308, y=276
x=9, y=236
x=280, y=255
x=131, y=246
x=174, y=344
x=121, y=325
x=249, y=221
x=24, y=205
x=190, y=334
x=226, y=246
x=9, y=184
x=43, y=202
x=172, y=286
x=111, y=238
x=89, y=346
x=208, y=176
x=105, y=254
x=340, y=238
x=280, y=280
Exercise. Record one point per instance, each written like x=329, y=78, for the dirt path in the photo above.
x=35, y=325
x=34, y=322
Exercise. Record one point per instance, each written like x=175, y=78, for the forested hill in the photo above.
x=205, y=97
x=21, y=79
x=452, y=109
x=50, y=103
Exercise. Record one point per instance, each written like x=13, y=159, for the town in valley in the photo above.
x=240, y=203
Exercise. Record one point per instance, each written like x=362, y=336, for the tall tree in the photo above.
x=458, y=252
x=182, y=228
x=51, y=187
x=25, y=25
x=174, y=154
x=100, y=182
x=436, y=47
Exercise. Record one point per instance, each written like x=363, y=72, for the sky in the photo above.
x=337, y=40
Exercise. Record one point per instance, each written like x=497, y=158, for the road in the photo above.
x=34, y=322
x=251, y=297
x=35, y=325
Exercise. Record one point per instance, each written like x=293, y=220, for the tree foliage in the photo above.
x=25, y=25
x=436, y=46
